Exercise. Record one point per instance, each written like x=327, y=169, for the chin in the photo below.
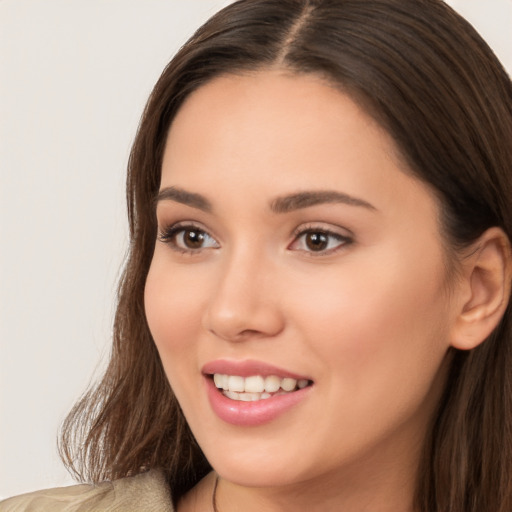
x=261, y=475
x=257, y=462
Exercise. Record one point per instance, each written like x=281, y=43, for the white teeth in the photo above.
x=218, y=379
x=288, y=384
x=254, y=384
x=249, y=397
x=236, y=383
x=272, y=384
x=255, y=387
x=232, y=394
x=246, y=397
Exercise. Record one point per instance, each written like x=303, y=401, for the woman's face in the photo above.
x=296, y=260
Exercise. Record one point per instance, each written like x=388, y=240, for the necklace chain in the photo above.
x=214, y=494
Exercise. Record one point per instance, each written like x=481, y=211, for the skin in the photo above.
x=369, y=320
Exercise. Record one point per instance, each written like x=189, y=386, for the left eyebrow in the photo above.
x=306, y=199
x=182, y=196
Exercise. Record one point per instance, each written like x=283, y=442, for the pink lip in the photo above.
x=247, y=414
x=247, y=368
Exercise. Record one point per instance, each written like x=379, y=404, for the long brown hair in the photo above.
x=425, y=75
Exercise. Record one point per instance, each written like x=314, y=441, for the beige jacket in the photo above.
x=141, y=493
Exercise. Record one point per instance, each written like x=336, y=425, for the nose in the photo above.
x=244, y=304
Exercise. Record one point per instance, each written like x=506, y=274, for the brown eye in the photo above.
x=188, y=239
x=193, y=238
x=319, y=241
x=316, y=241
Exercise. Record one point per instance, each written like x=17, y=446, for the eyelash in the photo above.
x=303, y=231
x=169, y=235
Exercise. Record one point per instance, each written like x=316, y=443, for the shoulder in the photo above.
x=144, y=492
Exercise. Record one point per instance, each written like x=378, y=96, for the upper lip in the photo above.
x=248, y=367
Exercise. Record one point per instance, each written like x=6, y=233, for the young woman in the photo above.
x=315, y=311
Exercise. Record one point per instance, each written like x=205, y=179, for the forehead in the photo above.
x=271, y=95
x=276, y=110
x=270, y=133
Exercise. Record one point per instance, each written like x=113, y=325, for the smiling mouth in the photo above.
x=256, y=387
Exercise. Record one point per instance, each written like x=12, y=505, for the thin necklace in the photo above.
x=214, y=494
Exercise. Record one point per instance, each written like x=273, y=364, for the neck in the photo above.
x=392, y=493
x=385, y=489
x=383, y=479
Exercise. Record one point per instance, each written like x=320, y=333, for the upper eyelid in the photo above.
x=344, y=243
x=323, y=227
x=165, y=230
x=320, y=225
x=168, y=236
x=183, y=224
x=333, y=230
x=329, y=233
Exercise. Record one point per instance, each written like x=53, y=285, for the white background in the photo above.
x=74, y=77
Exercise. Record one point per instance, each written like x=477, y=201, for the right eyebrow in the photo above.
x=308, y=198
x=180, y=195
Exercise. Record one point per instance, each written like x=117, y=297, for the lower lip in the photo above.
x=249, y=414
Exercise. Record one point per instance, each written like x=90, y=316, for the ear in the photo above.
x=485, y=289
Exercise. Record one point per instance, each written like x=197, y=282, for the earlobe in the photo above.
x=487, y=279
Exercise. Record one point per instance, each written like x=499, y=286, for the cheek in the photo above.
x=172, y=306
x=380, y=346
x=378, y=326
